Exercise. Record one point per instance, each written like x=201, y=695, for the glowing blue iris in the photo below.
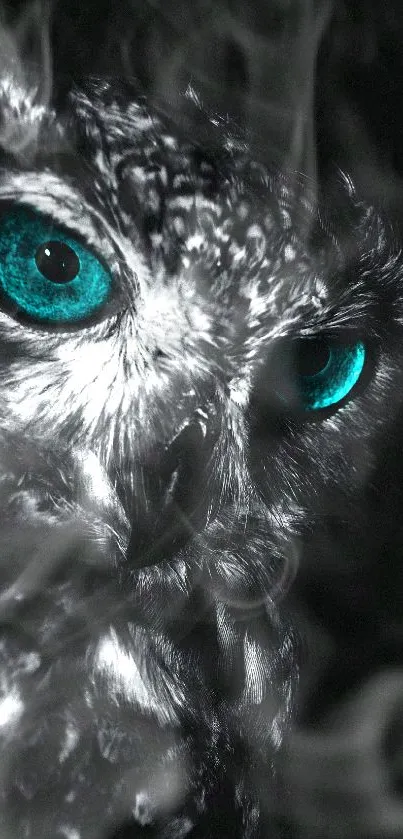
x=47, y=273
x=336, y=379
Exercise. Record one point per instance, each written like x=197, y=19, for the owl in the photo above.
x=196, y=356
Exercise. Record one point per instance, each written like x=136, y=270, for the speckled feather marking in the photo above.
x=150, y=520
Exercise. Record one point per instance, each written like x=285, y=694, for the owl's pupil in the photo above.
x=312, y=357
x=57, y=262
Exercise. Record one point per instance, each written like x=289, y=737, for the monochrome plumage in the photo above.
x=159, y=477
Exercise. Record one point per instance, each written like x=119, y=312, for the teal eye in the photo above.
x=327, y=372
x=48, y=274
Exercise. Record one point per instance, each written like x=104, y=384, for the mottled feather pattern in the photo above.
x=152, y=515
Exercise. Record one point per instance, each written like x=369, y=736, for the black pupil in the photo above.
x=312, y=357
x=57, y=262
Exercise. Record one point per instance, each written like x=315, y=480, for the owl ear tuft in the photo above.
x=25, y=78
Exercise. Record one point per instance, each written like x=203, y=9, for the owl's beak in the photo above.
x=180, y=506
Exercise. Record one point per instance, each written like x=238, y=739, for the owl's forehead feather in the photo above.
x=192, y=161
x=188, y=148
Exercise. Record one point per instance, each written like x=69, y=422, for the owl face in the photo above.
x=192, y=324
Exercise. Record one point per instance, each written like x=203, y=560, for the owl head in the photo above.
x=190, y=325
